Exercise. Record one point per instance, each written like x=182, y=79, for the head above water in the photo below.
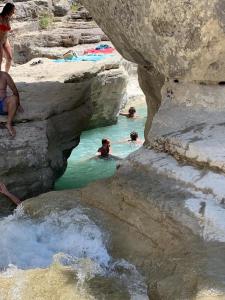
x=132, y=110
x=134, y=136
x=8, y=10
x=105, y=142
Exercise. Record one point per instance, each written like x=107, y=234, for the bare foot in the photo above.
x=11, y=130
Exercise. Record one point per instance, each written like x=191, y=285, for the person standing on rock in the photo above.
x=9, y=104
x=5, y=48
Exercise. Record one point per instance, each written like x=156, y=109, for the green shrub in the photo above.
x=74, y=7
x=45, y=21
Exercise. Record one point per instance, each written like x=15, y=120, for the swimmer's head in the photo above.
x=105, y=142
x=134, y=136
x=132, y=110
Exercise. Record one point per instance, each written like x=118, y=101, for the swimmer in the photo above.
x=104, y=151
x=4, y=191
x=131, y=113
x=134, y=138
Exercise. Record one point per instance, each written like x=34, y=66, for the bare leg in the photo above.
x=1, y=55
x=11, y=108
x=8, y=55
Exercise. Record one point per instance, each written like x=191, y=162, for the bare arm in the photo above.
x=12, y=86
x=5, y=192
x=123, y=114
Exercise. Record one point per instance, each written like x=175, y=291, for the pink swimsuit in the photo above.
x=4, y=27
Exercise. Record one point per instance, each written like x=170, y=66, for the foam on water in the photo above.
x=68, y=238
x=29, y=244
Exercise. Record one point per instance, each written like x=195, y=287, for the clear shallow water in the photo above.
x=82, y=169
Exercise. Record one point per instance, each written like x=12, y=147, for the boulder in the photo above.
x=59, y=100
x=174, y=36
x=61, y=7
x=179, y=47
x=108, y=95
x=29, y=10
x=157, y=221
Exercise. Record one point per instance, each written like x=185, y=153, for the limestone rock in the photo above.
x=108, y=96
x=155, y=220
x=28, y=10
x=58, y=101
x=28, y=42
x=179, y=46
x=61, y=7
x=175, y=36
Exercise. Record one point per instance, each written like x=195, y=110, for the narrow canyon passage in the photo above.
x=153, y=226
x=83, y=168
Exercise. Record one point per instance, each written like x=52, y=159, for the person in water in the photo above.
x=131, y=113
x=9, y=104
x=4, y=191
x=5, y=48
x=104, y=151
x=134, y=138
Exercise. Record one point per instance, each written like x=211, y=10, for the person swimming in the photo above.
x=134, y=138
x=131, y=113
x=104, y=151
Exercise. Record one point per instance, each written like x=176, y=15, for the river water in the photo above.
x=82, y=169
x=64, y=254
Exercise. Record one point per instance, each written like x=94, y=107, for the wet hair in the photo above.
x=105, y=141
x=7, y=9
x=133, y=135
x=132, y=110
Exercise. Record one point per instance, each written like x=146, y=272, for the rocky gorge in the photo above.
x=164, y=208
x=60, y=99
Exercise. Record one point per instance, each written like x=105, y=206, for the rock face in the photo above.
x=60, y=100
x=175, y=235
x=42, y=28
x=61, y=7
x=175, y=40
x=179, y=47
x=174, y=36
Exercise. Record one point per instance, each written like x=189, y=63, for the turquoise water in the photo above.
x=83, y=168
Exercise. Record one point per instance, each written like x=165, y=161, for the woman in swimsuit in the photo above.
x=5, y=48
x=104, y=151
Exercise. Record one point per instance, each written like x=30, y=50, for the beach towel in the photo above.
x=83, y=58
x=101, y=49
x=102, y=46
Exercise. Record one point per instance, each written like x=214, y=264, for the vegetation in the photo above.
x=74, y=7
x=45, y=20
